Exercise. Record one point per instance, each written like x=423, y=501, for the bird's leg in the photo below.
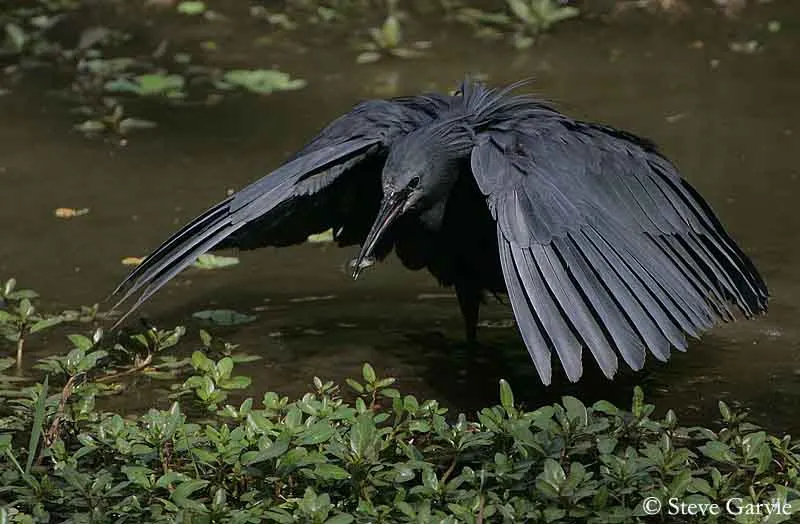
x=469, y=300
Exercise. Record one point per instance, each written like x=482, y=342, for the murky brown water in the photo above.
x=731, y=127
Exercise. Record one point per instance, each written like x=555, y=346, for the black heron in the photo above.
x=593, y=234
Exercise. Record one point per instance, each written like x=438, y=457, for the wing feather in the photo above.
x=346, y=143
x=602, y=243
x=529, y=325
x=604, y=304
x=561, y=337
x=583, y=320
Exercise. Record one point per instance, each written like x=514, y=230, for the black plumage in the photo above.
x=592, y=233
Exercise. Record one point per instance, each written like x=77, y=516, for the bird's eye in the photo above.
x=413, y=183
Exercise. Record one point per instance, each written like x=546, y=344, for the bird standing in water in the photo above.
x=593, y=235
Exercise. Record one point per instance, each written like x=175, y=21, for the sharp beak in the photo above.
x=391, y=208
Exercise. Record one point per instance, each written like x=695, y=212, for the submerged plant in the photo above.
x=387, y=40
x=260, y=81
x=150, y=84
x=537, y=16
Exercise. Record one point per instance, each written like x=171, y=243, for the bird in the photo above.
x=590, y=232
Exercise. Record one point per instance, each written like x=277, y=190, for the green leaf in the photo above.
x=90, y=360
x=637, y=407
x=202, y=362
x=403, y=473
x=224, y=317
x=237, y=382
x=506, y=395
x=90, y=126
x=575, y=410
x=192, y=8
x=16, y=36
x=277, y=448
x=225, y=367
x=139, y=475
x=521, y=10
x=126, y=125
x=718, y=451
x=81, y=342
x=680, y=483
x=553, y=473
x=46, y=323
x=725, y=411
x=38, y=426
x=390, y=31
x=368, y=373
x=363, y=436
x=184, y=490
x=603, y=406
x=430, y=480
x=262, y=81
x=25, y=309
x=330, y=472
x=368, y=57
x=318, y=433
x=355, y=385
x=151, y=84
x=341, y=518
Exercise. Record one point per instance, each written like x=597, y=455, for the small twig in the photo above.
x=20, y=346
x=52, y=433
x=479, y=520
x=114, y=376
x=450, y=469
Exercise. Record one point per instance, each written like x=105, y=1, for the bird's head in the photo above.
x=419, y=172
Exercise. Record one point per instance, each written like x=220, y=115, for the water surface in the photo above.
x=727, y=120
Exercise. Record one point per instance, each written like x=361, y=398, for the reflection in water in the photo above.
x=729, y=127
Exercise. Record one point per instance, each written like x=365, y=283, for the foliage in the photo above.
x=537, y=16
x=380, y=457
x=105, y=78
x=387, y=40
x=526, y=19
x=259, y=81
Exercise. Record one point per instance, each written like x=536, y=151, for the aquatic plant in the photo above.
x=260, y=81
x=527, y=19
x=540, y=15
x=366, y=453
x=387, y=40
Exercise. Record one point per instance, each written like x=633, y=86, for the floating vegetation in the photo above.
x=103, y=79
x=537, y=16
x=109, y=117
x=387, y=40
x=224, y=317
x=150, y=84
x=191, y=8
x=259, y=81
x=525, y=19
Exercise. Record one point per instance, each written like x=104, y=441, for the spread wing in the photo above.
x=299, y=198
x=602, y=244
